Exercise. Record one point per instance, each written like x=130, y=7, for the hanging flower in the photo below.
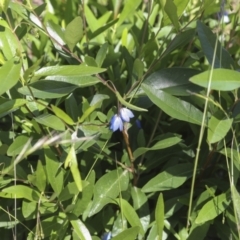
x=116, y=123
x=126, y=114
x=106, y=236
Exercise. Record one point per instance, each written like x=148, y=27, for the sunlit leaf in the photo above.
x=221, y=79
x=107, y=188
x=171, y=178
x=213, y=208
x=173, y=106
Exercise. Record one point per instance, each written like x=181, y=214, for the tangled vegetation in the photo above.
x=119, y=119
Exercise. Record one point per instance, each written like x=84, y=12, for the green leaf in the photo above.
x=128, y=234
x=180, y=40
x=213, y=208
x=130, y=214
x=47, y=89
x=74, y=32
x=9, y=74
x=101, y=55
x=4, y=5
x=68, y=70
x=61, y=114
x=153, y=232
x=169, y=81
x=80, y=229
x=171, y=13
x=41, y=179
x=56, y=34
x=107, y=188
x=208, y=42
x=236, y=202
x=8, y=106
x=16, y=147
x=199, y=231
x=83, y=202
x=29, y=209
x=181, y=6
x=128, y=10
x=21, y=191
x=222, y=79
x=140, y=203
x=69, y=192
x=51, y=121
x=53, y=226
x=80, y=81
x=8, y=41
x=54, y=171
x=173, y=106
x=171, y=178
x=71, y=161
x=168, y=140
x=159, y=216
x=138, y=68
x=218, y=128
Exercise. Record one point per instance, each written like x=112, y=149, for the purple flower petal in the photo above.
x=116, y=123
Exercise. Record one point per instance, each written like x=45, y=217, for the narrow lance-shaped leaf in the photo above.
x=167, y=141
x=54, y=171
x=80, y=229
x=71, y=161
x=9, y=74
x=213, y=208
x=159, y=216
x=208, y=41
x=171, y=178
x=130, y=214
x=68, y=70
x=74, y=32
x=61, y=114
x=218, y=128
x=108, y=188
x=173, y=106
x=128, y=234
x=221, y=80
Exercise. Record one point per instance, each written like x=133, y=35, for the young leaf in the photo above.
x=159, y=216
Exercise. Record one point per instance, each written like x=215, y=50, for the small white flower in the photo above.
x=126, y=114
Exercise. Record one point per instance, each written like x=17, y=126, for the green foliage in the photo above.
x=171, y=171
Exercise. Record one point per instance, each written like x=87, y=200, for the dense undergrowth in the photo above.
x=119, y=119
